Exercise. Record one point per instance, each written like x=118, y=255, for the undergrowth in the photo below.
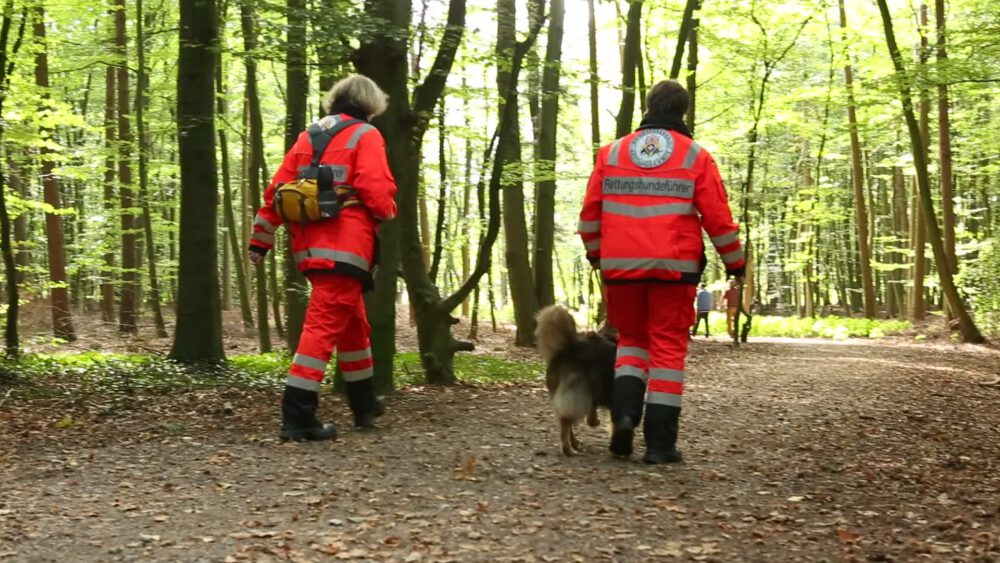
x=84, y=374
x=833, y=327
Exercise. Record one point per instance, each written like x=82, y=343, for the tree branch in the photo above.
x=483, y=257
x=426, y=95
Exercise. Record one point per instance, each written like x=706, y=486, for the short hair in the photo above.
x=668, y=96
x=357, y=91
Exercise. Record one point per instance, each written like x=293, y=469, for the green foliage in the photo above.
x=837, y=328
x=95, y=373
x=470, y=368
x=982, y=284
x=87, y=373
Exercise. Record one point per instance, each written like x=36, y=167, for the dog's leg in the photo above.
x=592, y=420
x=573, y=441
x=566, y=435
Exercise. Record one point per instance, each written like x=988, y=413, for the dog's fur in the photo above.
x=580, y=371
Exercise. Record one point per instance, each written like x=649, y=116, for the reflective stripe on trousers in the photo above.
x=356, y=365
x=665, y=387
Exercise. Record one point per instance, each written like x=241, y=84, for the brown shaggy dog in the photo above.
x=580, y=371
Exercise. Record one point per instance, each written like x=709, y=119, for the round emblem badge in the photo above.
x=651, y=148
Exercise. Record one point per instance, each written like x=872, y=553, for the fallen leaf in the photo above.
x=847, y=536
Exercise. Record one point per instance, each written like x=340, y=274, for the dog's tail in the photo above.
x=555, y=330
x=572, y=399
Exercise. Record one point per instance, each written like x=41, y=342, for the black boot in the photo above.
x=298, y=417
x=661, y=427
x=626, y=413
x=363, y=402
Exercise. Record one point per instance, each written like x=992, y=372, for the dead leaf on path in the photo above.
x=467, y=469
x=328, y=549
x=353, y=554
x=671, y=549
x=847, y=536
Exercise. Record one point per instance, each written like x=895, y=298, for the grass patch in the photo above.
x=94, y=373
x=471, y=368
x=837, y=328
x=80, y=375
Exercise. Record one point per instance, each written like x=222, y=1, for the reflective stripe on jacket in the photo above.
x=345, y=244
x=649, y=197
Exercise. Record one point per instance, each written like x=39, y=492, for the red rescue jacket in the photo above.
x=344, y=244
x=649, y=197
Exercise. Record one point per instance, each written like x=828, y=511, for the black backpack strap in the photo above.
x=320, y=138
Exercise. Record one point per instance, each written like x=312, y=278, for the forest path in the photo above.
x=796, y=451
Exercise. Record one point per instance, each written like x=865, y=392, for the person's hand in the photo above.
x=256, y=258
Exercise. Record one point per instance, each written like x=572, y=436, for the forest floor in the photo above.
x=796, y=450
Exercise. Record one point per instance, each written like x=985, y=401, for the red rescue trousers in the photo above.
x=335, y=319
x=653, y=322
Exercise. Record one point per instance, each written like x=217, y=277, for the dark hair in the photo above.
x=668, y=97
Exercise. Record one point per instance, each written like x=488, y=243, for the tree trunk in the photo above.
x=11, y=340
x=297, y=79
x=858, y=181
x=142, y=100
x=687, y=22
x=947, y=179
x=235, y=238
x=900, y=225
x=22, y=256
x=383, y=57
x=443, y=199
x=514, y=222
x=110, y=173
x=919, y=238
x=128, y=313
x=62, y=319
x=254, y=162
x=595, y=111
x=630, y=58
x=966, y=325
x=545, y=164
x=692, y=68
x=198, y=335
x=467, y=205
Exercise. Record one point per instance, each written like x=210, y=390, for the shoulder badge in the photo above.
x=651, y=148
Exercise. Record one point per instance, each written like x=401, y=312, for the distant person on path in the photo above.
x=650, y=195
x=732, y=300
x=703, y=305
x=337, y=254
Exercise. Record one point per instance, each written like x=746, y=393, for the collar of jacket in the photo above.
x=332, y=119
x=350, y=110
x=667, y=121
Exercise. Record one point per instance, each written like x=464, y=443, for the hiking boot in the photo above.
x=660, y=430
x=298, y=417
x=365, y=405
x=317, y=433
x=621, y=437
x=626, y=413
x=367, y=421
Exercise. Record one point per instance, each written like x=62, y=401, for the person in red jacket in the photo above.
x=337, y=255
x=649, y=197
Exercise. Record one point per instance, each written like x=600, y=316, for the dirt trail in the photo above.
x=797, y=451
